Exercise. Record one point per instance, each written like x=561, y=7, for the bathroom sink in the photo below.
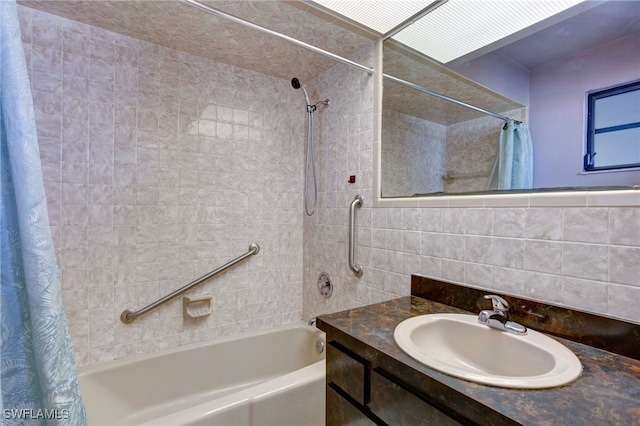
x=456, y=344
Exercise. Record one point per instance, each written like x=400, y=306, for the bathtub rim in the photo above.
x=106, y=365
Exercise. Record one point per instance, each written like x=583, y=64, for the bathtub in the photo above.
x=271, y=377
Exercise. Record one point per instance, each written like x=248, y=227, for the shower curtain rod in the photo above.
x=335, y=57
x=447, y=98
x=279, y=35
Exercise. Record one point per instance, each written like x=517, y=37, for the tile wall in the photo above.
x=417, y=153
x=344, y=148
x=414, y=155
x=472, y=147
x=159, y=167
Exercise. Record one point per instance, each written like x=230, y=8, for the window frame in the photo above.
x=592, y=97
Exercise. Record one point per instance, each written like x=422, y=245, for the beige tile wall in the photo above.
x=471, y=148
x=344, y=148
x=413, y=155
x=160, y=167
x=417, y=154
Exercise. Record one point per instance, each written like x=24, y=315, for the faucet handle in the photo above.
x=499, y=304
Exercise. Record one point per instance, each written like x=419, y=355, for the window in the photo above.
x=613, y=128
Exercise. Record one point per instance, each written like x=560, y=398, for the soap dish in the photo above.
x=196, y=306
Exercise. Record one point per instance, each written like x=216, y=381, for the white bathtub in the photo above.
x=271, y=377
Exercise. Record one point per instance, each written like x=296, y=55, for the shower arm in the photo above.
x=313, y=108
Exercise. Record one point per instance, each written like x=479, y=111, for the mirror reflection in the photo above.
x=430, y=145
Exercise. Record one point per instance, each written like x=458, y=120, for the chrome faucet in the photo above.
x=498, y=318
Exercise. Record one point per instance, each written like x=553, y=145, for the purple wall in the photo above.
x=557, y=111
x=498, y=73
x=556, y=96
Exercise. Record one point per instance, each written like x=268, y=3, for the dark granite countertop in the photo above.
x=607, y=393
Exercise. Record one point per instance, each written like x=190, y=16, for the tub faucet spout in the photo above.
x=498, y=318
x=312, y=321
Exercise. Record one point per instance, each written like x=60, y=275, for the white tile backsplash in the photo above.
x=507, y=252
x=586, y=225
x=624, y=265
x=480, y=221
x=543, y=224
x=585, y=294
x=543, y=256
x=509, y=223
x=588, y=261
x=624, y=226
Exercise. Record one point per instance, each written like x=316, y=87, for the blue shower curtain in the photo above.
x=38, y=375
x=515, y=157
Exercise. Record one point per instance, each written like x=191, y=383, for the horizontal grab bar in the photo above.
x=129, y=315
x=451, y=176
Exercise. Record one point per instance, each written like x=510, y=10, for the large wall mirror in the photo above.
x=434, y=146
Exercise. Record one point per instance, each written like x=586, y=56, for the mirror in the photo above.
x=433, y=146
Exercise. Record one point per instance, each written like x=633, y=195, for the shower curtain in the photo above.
x=38, y=375
x=515, y=157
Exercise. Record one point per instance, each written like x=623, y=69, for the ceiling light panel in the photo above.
x=378, y=15
x=459, y=27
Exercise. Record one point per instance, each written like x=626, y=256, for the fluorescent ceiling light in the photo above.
x=378, y=15
x=454, y=28
x=459, y=27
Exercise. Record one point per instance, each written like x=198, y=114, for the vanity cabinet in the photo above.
x=361, y=392
x=343, y=412
x=396, y=405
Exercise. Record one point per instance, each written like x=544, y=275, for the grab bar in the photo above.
x=357, y=269
x=450, y=176
x=129, y=315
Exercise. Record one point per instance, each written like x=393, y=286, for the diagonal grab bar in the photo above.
x=357, y=269
x=129, y=315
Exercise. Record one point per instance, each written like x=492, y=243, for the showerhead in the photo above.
x=297, y=85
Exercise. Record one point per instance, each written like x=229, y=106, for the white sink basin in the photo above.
x=457, y=345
